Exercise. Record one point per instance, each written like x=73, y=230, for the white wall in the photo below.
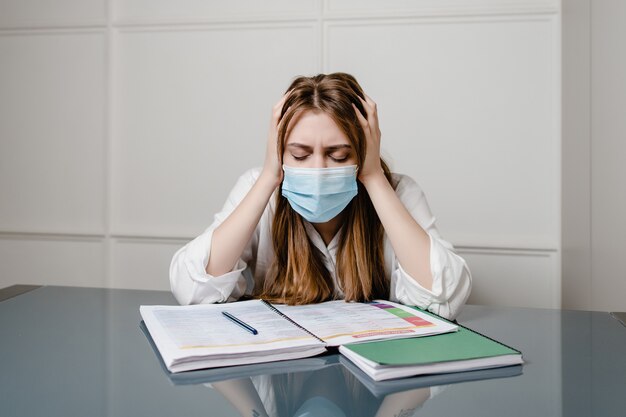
x=594, y=127
x=123, y=125
x=608, y=153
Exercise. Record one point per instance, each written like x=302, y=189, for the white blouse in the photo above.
x=191, y=284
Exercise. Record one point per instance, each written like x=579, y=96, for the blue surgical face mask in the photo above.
x=319, y=194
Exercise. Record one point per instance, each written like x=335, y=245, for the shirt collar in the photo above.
x=317, y=240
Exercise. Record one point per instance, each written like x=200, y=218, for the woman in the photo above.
x=324, y=218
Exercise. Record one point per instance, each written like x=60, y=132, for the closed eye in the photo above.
x=339, y=155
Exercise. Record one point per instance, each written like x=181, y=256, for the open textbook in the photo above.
x=201, y=336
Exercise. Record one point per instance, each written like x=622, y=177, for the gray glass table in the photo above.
x=68, y=351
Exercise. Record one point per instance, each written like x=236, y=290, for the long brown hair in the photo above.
x=298, y=274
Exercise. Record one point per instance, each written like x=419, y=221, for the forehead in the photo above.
x=316, y=127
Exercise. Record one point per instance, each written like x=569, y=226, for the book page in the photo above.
x=204, y=327
x=340, y=322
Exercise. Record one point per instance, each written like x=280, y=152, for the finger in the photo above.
x=372, y=117
x=369, y=100
x=362, y=119
x=369, y=109
x=282, y=120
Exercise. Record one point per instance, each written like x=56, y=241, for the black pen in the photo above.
x=239, y=322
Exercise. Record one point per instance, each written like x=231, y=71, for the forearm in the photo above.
x=410, y=242
x=231, y=237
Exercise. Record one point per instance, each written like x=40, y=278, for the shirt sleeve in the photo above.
x=189, y=281
x=452, y=280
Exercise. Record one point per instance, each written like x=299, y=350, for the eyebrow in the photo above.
x=329, y=148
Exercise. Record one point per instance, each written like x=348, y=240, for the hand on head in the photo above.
x=272, y=166
x=371, y=166
x=353, y=138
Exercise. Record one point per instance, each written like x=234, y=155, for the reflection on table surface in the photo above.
x=68, y=351
x=331, y=392
x=334, y=391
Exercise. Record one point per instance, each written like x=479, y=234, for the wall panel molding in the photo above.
x=141, y=263
x=214, y=26
x=54, y=237
x=392, y=21
x=512, y=63
x=149, y=12
x=541, y=107
x=506, y=251
x=211, y=23
x=52, y=129
x=514, y=277
x=47, y=261
x=53, y=30
x=342, y=9
x=175, y=89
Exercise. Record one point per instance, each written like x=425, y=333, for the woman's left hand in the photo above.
x=371, y=166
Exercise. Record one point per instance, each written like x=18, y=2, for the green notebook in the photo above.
x=451, y=352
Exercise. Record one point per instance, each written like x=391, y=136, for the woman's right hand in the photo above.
x=272, y=168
